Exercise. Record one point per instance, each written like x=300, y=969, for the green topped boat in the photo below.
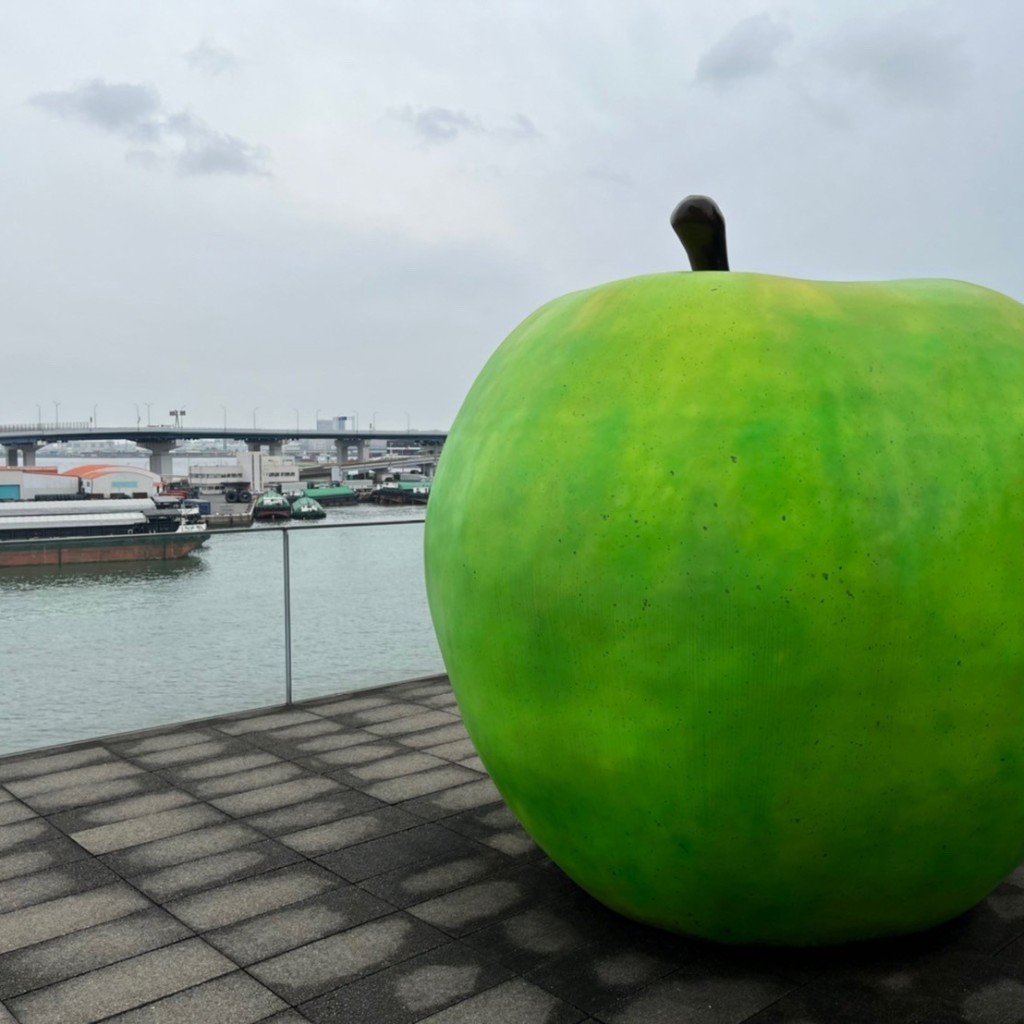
x=304, y=507
x=327, y=496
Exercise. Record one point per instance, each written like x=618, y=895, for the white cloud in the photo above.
x=210, y=59
x=137, y=113
x=747, y=50
x=902, y=58
x=441, y=125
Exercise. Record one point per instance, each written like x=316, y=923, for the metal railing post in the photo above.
x=287, y=621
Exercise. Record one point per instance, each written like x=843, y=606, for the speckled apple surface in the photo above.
x=728, y=574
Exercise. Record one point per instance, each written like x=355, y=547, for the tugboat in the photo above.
x=304, y=507
x=271, y=505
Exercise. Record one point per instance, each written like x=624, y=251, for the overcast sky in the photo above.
x=298, y=205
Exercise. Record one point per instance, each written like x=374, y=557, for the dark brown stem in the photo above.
x=699, y=223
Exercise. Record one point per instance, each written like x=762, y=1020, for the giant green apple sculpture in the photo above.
x=728, y=574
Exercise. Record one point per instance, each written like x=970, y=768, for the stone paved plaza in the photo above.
x=347, y=860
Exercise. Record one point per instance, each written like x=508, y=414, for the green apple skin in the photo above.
x=728, y=574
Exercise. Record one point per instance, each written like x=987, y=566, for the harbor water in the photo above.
x=93, y=650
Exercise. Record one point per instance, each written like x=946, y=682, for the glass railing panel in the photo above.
x=359, y=607
x=94, y=650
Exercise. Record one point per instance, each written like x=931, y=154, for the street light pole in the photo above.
x=56, y=414
x=95, y=424
x=138, y=416
x=224, y=410
x=149, y=419
x=39, y=415
x=254, y=417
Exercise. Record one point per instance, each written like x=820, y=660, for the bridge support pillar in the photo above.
x=254, y=446
x=28, y=454
x=160, y=460
x=274, y=448
x=341, y=447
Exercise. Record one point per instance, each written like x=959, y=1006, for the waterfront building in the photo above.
x=253, y=471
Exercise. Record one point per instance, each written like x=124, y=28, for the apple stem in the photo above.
x=699, y=223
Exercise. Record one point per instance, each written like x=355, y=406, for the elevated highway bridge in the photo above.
x=21, y=441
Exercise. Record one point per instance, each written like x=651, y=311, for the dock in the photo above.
x=348, y=859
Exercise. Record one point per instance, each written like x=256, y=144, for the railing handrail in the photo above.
x=219, y=531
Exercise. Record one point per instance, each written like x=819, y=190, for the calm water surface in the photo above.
x=101, y=649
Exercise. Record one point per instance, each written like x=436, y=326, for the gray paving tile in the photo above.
x=307, y=813
x=388, y=712
x=165, y=798
x=293, y=733
x=513, y=1002
x=419, y=845
x=237, y=901
x=349, y=831
x=407, y=787
x=284, y=1017
x=474, y=764
x=216, y=869
x=513, y=842
x=163, y=741
x=432, y=737
x=350, y=705
x=29, y=858
x=531, y=938
x=477, y=793
x=76, y=876
x=454, y=750
x=619, y=960
x=190, y=754
x=418, y=691
x=254, y=801
x=473, y=906
x=106, y=838
x=5, y=795
x=394, y=767
x=187, y=846
x=27, y=833
x=230, y=999
x=123, y=985
x=413, y=723
x=261, y=723
x=402, y=994
x=215, y=766
x=495, y=826
x=442, y=700
x=408, y=885
x=57, y=959
x=701, y=993
x=68, y=914
x=297, y=924
x=337, y=739
x=321, y=966
x=28, y=766
x=357, y=753
x=240, y=782
x=85, y=775
x=12, y=811
x=70, y=797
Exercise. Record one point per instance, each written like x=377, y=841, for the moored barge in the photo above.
x=59, y=533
